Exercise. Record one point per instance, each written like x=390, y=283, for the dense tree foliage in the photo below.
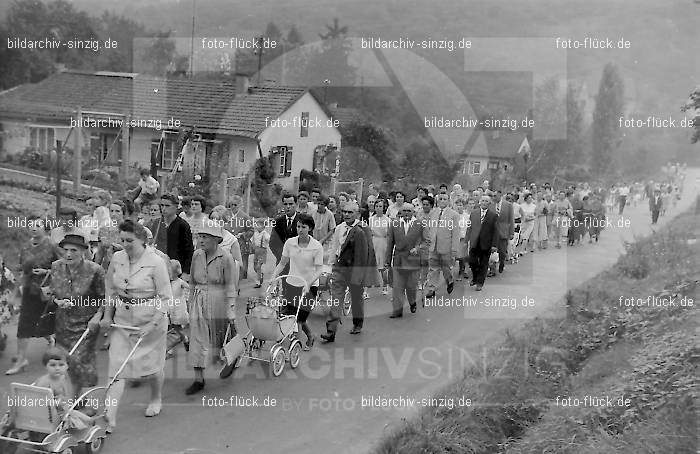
x=606, y=132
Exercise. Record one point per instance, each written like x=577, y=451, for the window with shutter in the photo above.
x=288, y=163
x=304, y=124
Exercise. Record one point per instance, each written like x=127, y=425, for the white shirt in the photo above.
x=149, y=186
x=340, y=235
x=260, y=239
x=303, y=260
x=407, y=224
x=624, y=190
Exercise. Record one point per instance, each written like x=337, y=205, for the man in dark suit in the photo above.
x=483, y=239
x=354, y=267
x=404, y=239
x=505, y=226
x=285, y=227
x=655, y=205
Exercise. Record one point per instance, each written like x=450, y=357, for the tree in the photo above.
x=334, y=31
x=606, y=134
x=693, y=104
x=575, y=105
x=36, y=21
x=376, y=142
x=294, y=38
x=157, y=56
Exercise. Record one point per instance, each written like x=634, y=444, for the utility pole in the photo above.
x=59, y=152
x=259, y=53
x=78, y=153
x=125, y=149
x=192, y=44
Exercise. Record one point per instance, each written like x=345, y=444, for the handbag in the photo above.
x=46, y=325
x=231, y=351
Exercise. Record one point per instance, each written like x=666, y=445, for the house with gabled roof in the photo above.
x=493, y=150
x=132, y=116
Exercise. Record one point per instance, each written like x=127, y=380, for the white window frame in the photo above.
x=286, y=157
x=43, y=138
x=473, y=165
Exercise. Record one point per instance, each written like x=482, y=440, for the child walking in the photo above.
x=260, y=242
x=178, y=313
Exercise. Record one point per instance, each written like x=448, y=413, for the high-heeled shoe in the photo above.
x=19, y=367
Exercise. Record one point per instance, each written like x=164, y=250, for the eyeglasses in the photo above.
x=348, y=211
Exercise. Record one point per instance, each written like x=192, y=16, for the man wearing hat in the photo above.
x=655, y=205
x=68, y=224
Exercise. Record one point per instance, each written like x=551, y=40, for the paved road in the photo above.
x=318, y=407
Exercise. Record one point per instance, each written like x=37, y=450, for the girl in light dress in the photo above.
x=379, y=225
x=177, y=312
x=527, y=227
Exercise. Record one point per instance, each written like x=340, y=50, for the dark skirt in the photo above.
x=30, y=312
x=292, y=296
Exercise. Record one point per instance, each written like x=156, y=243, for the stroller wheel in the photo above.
x=95, y=446
x=277, y=360
x=295, y=354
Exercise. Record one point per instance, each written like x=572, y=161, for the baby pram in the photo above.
x=268, y=326
x=39, y=427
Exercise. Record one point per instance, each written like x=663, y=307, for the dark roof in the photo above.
x=502, y=145
x=207, y=106
x=345, y=115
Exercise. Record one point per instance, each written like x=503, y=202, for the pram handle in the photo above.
x=283, y=276
x=279, y=278
x=128, y=357
x=127, y=327
x=82, y=338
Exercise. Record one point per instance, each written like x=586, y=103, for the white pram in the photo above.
x=266, y=324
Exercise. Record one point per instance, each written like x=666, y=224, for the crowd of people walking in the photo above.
x=171, y=268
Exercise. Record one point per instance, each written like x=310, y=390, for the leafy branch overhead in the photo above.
x=693, y=104
x=334, y=31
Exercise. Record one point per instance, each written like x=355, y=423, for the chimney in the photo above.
x=242, y=84
x=333, y=106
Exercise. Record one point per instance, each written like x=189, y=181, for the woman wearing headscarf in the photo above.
x=137, y=293
x=212, y=301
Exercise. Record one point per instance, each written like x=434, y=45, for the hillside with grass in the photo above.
x=540, y=390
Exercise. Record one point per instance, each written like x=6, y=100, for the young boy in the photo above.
x=260, y=242
x=56, y=362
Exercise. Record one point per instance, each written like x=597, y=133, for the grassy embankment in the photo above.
x=601, y=348
x=23, y=200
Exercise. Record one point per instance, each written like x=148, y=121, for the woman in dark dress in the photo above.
x=35, y=261
x=78, y=286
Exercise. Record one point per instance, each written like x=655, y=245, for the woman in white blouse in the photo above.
x=138, y=292
x=304, y=254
